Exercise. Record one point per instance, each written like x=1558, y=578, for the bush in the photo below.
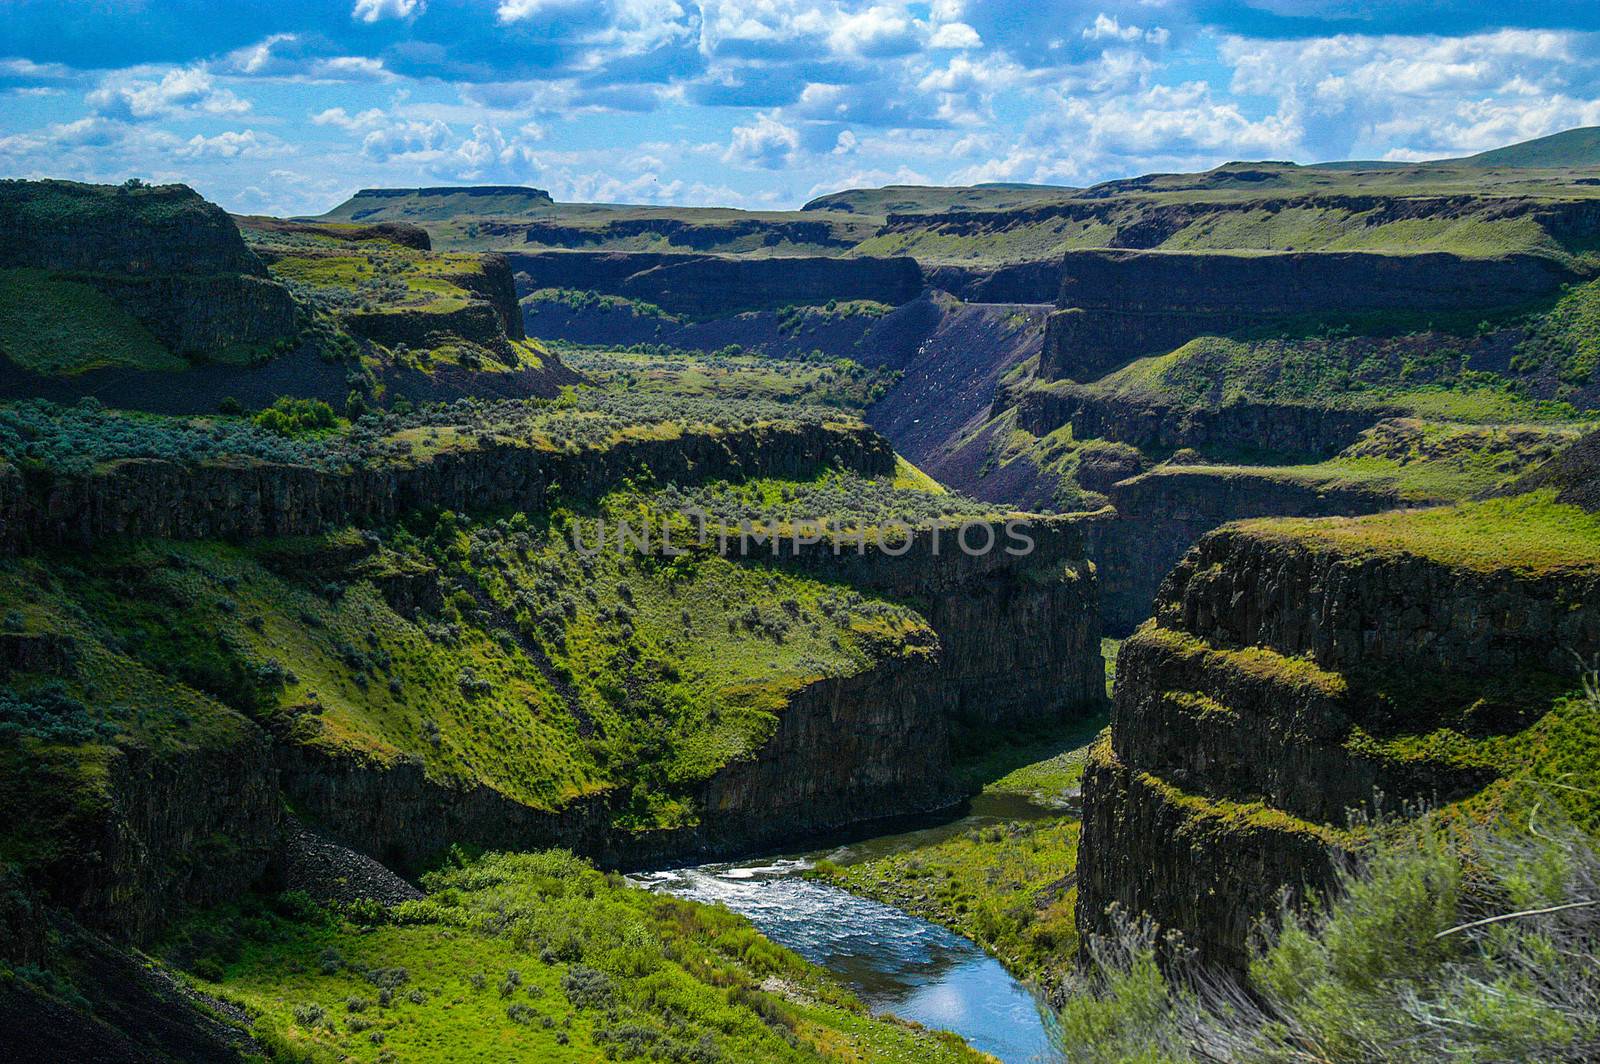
x=587, y=988
x=1413, y=960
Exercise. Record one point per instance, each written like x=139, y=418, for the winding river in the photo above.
x=896, y=962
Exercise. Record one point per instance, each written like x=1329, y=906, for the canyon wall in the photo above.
x=1254, y=710
x=709, y=286
x=176, y=262
x=1116, y=306
x=149, y=497
x=1153, y=519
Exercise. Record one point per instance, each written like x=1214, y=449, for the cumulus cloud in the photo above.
x=1110, y=28
x=233, y=144
x=1414, y=95
x=955, y=35
x=766, y=142
x=489, y=153
x=190, y=90
x=406, y=138
x=378, y=10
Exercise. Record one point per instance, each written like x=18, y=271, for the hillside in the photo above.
x=1571, y=148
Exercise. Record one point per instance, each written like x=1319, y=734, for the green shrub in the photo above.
x=1434, y=948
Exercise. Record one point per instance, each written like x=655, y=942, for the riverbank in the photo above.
x=1004, y=875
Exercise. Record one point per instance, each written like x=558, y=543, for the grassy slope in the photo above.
x=1526, y=533
x=838, y=382
x=56, y=326
x=535, y=957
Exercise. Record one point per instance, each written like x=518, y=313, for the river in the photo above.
x=896, y=962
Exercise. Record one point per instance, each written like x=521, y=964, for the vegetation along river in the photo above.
x=896, y=962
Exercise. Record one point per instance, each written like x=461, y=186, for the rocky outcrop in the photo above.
x=245, y=499
x=1017, y=282
x=1259, y=704
x=845, y=750
x=1153, y=519
x=707, y=286
x=168, y=829
x=1017, y=617
x=694, y=235
x=1299, y=430
x=175, y=261
x=1115, y=307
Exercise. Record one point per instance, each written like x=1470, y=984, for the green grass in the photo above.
x=538, y=672
x=533, y=957
x=1007, y=887
x=1424, y=373
x=1414, y=461
x=1522, y=533
x=55, y=326
x=839, y=382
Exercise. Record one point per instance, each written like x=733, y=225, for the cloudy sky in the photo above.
x=287, y=107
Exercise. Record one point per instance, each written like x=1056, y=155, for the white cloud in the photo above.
x=1422, y=96
x=1109, y=28
x=377, y=10
x=522, y=10
x=489, y=153
x=955, y=35
x=231, y=144
x=879, y=30
x=293, y=57
x=182, y=90
x=406, y=138
x=766, y=142
x=337, y=116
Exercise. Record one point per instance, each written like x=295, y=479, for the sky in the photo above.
x=288, y=107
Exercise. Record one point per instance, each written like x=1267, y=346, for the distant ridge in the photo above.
x=1576, y=148
x=1573, y=147
x=440, y=202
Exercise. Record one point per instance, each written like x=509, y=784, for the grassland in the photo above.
x=1413, y=461
x=839, y=382
x=1528, y=533
x=533, y=957
x=55, y=326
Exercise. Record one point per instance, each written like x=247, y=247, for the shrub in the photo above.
x=1411, y=960
x=587, y=988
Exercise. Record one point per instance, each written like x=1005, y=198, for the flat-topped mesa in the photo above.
x=1297, y=667
x=438, y=203
x=1115, y=306
x=173, y=260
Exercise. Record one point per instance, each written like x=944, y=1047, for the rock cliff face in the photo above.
x=1118, y=306
x=714, y=286
x=168, y=500
x=175, y=261
x=195, y=828
x=1156, y=517
x=844, y=751
x=1018, y=645
x=1253, y=711
x=1019, y=632
x=1288, y=429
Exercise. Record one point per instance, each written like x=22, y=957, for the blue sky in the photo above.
x=288, y=107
